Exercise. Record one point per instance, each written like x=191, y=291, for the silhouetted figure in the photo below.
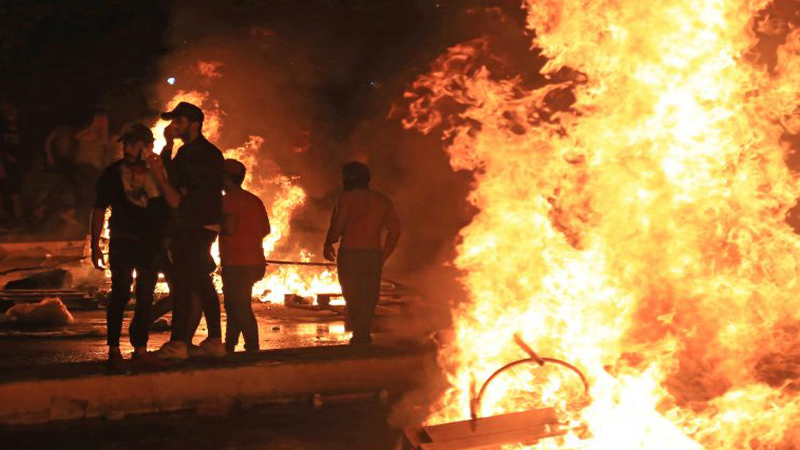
x=93, y=155
x=357, y=223
x=10, y=161
x=138, y=214
x=244, y=226
x=53, y=186
x=196, y=175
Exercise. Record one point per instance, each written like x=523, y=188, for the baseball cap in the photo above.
x=185, y=109
x=233, y=167
x=137, y=133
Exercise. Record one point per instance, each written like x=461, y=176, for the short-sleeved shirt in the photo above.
x=128, y=219
x=196, y=171
x=244, y=247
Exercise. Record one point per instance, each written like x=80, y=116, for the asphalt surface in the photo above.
x=279, y=327
x=348, y=426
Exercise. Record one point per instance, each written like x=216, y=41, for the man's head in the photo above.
x=136, y=140
x=355, y=175
x=187, y=120
x=233, y=173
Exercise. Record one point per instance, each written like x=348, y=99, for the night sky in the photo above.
x=62, y=59
x=341, y=66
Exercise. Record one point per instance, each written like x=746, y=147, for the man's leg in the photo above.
x=181, y=305
x=231, y=290
x=181, y=294
x=195, y=316
x=211, y=307
x=349, y=279
x=121, y=264
x=248, y=323
x=238, y=284
x=372, y=266
x=146, y=279
x=205, y=285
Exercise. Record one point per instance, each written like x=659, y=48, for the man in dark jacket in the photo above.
x=138, y=213
x=196, y=175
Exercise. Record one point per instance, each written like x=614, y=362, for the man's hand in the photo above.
x=329, y=252
x=170, y=134
x=98, y=260
x=156, y=164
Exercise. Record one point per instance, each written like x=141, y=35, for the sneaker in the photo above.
x=115, y=362
x=209, y=348
x=173, y=350
x=361, y=339
x=143, y=360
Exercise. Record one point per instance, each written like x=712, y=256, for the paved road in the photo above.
x=353, y=426
x=279, y=327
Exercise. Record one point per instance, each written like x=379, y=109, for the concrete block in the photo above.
x=212, y=388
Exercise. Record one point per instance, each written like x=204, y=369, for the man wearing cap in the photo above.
x=138, y=215
x=196, y=174
x=244, y=226
x=359, y=219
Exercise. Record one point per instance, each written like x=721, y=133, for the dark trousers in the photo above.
x=360, y=278
x=237, y=286
x=191, y=276
x=125, y=256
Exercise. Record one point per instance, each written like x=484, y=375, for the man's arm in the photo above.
x=336, y=228
x=166, y=152
x=171, y=195
x=392, y=225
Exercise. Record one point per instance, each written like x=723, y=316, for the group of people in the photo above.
x=166, y=212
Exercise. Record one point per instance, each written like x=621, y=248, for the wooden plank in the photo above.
x=526, y=436
x=493, y=424
x=414, y=438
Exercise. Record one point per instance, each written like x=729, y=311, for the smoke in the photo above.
x=323, y=92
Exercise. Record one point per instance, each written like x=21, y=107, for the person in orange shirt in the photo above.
x=245, y=224
x=360, y=217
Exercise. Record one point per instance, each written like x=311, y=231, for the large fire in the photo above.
x=638, y=233
x=280, y=194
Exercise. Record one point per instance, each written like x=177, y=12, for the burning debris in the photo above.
x=638, y=230
x=297, y=277
x=50, y=311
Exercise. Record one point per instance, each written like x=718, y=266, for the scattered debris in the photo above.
x=50, y=311
x=526, y=427
x=51, y=279
x=297, y=300
x=75, y=300
x=162, y=324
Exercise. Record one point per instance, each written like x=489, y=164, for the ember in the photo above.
x=639, y=233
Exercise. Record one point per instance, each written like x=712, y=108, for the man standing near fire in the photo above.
x=244, y=226
x=357, y=223
x=196, y=175
x=138, y=215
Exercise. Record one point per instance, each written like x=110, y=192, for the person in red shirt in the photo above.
x=244, y=226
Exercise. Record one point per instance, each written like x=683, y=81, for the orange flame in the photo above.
x=281, y=195
x=639, y=234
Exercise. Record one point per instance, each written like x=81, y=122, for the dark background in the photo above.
x=332, y=72
x=326, y=71
x=61, y=59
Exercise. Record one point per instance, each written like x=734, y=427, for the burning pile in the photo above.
x=280, y=195
x=638, y=232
